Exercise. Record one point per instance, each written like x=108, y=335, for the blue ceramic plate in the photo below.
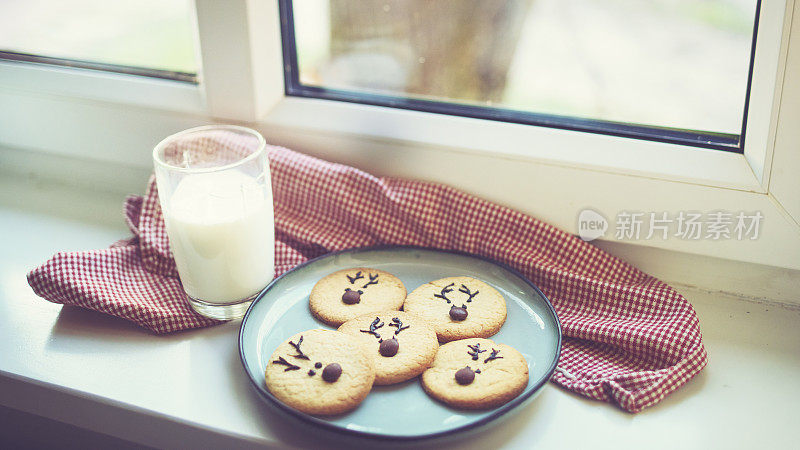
x=281, y=310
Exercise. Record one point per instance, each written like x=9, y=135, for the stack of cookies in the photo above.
x=326, y=372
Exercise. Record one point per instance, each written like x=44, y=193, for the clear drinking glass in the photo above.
x=216, y=197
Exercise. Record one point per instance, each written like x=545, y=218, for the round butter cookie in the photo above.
x=350, y=293
x=458, y=308
x=401, y=345
x=476, y=374
x=321, y=372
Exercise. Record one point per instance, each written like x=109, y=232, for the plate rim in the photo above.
x=494, y=415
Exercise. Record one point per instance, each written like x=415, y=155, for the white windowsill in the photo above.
x=188, y=389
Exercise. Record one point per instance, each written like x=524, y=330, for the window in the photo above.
x=666, y=70
x=696, y=76
x=141, y=37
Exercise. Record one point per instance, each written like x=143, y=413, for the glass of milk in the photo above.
x=216, y=197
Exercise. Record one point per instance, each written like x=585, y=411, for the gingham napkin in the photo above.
x=628, y=337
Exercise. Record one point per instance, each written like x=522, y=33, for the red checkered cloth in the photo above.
x=628, y=337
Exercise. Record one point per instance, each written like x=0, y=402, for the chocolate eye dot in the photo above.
x=332, y=372
x=311, y=373
x=458, y=313
x=351, y=297
x=389, y=347
x=465, y=376
x=318, y=365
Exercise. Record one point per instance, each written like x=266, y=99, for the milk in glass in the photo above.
x=221, y=230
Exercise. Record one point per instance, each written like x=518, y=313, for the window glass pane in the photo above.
x=153, y=34
x=664, y=63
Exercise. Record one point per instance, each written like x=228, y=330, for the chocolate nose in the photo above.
x=351, y=297
x=331, y=372
x=458, y=313
x=465, y=376
x=389, y=347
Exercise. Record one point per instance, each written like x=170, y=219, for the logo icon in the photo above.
x=591, y=225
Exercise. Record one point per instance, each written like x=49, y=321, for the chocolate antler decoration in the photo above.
x=373, y=279
x=374, y=326
x=397, y=323
x=300, y=354
x=492, y=356
x=476, y=351
x=283, y=362
x=444, y=291
x=466, y=290
x=353, y=279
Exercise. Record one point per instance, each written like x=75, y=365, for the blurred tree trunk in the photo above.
x=460, y=49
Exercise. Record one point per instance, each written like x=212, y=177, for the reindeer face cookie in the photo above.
x=320, y=372
x=476, y=374
x=458, y=308
x=401, y=344
x=350, y=293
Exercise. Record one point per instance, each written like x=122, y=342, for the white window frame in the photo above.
x=547, y=172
